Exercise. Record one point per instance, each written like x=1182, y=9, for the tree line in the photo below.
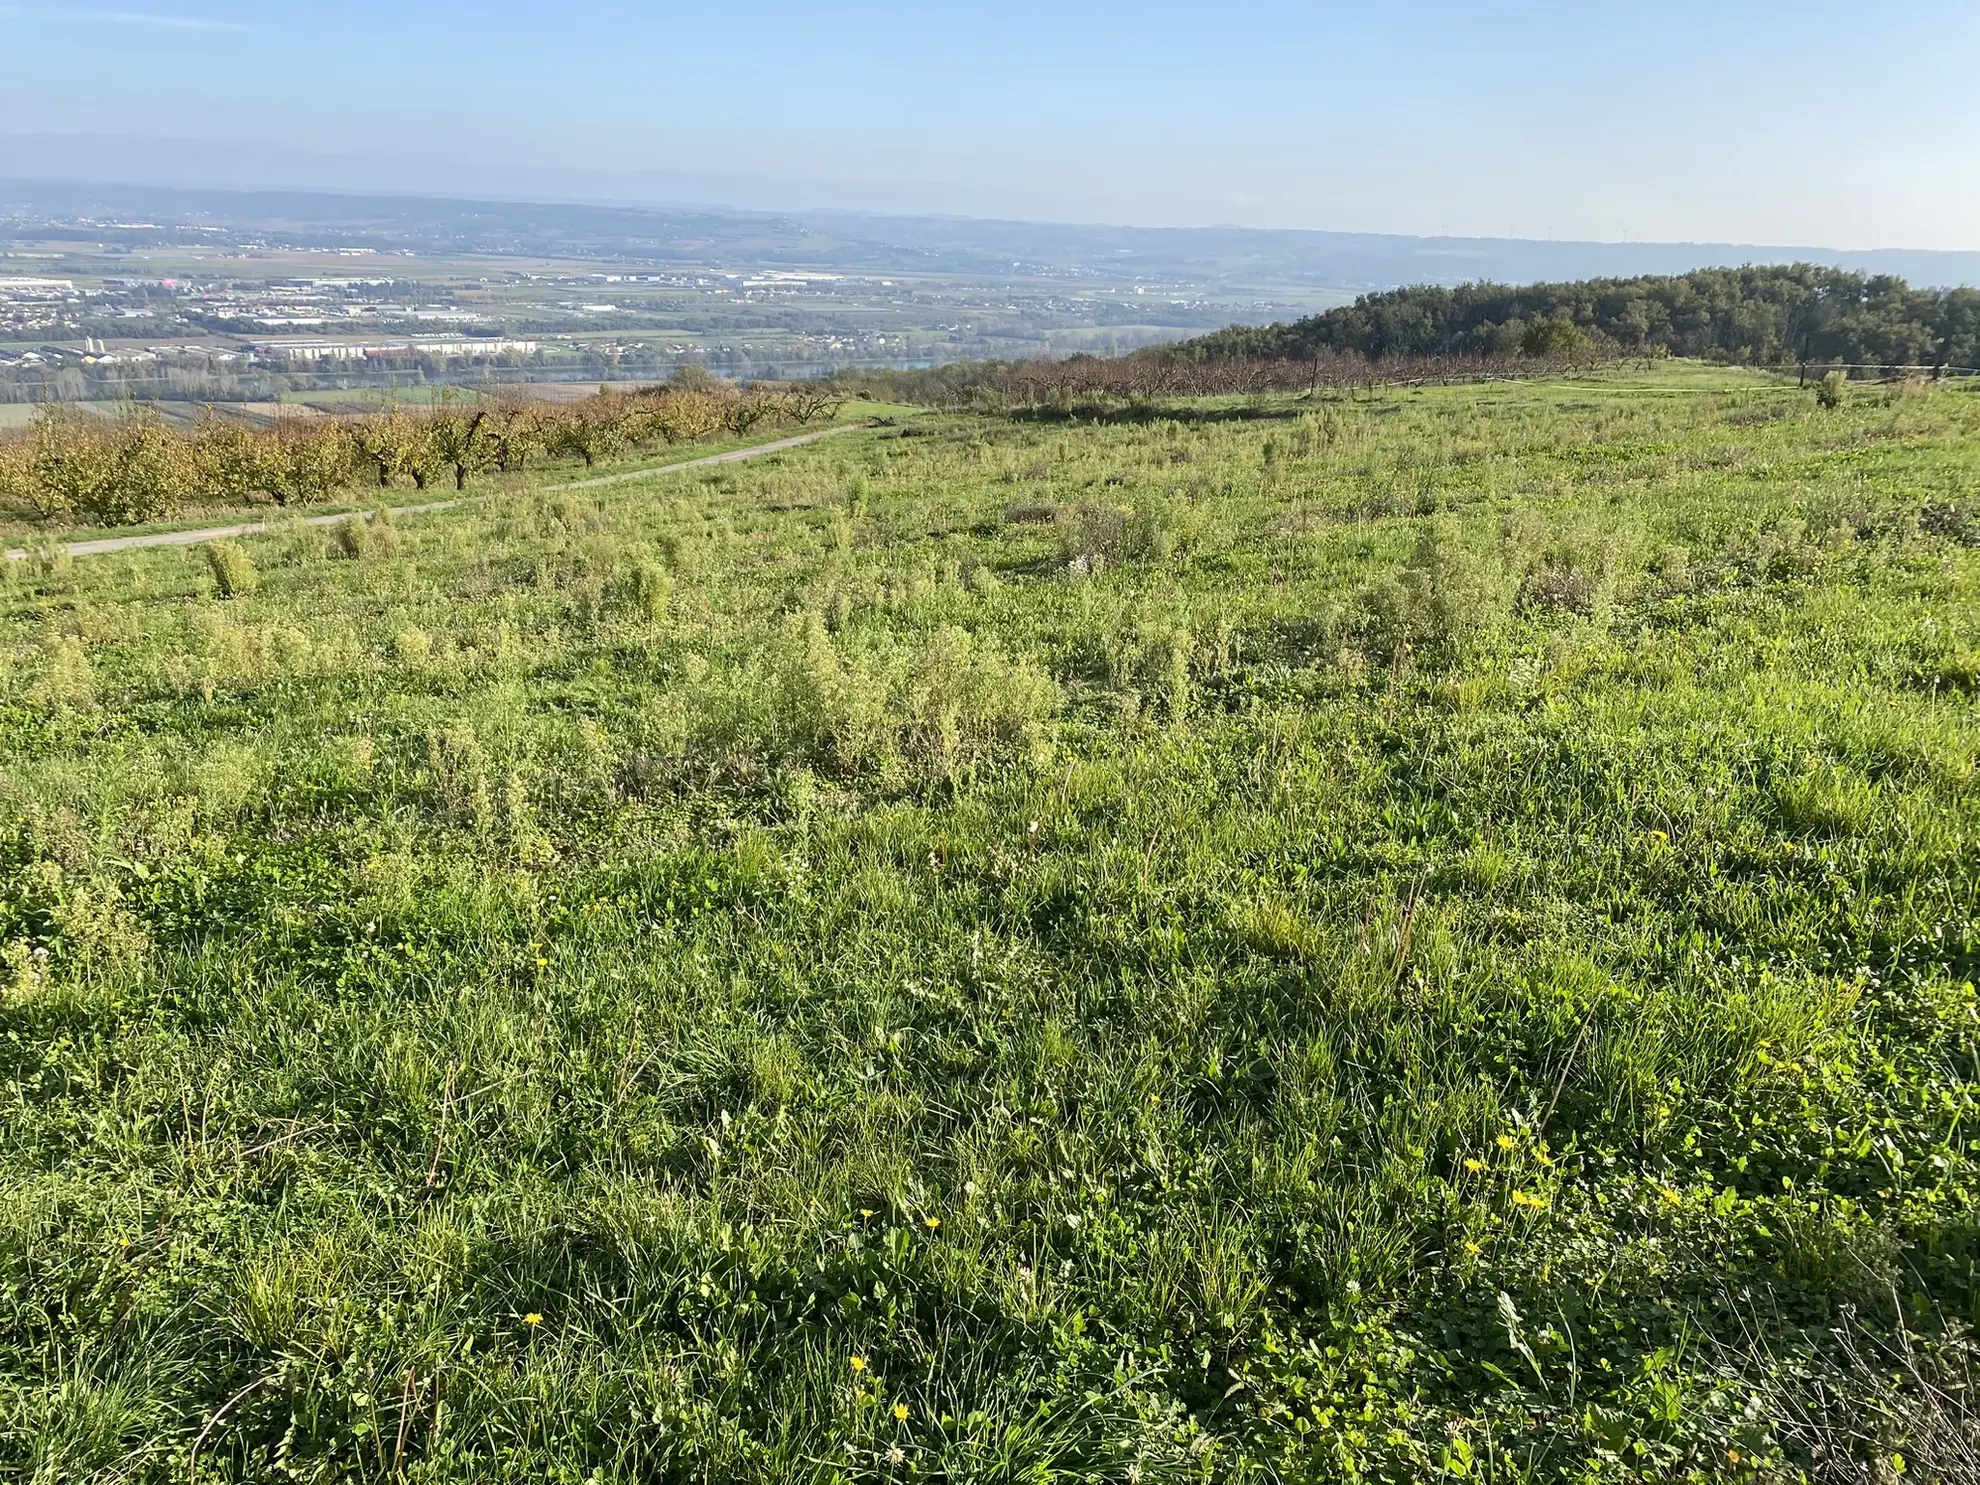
x=70, y=465
x=1082, y=383
x=1767, y=316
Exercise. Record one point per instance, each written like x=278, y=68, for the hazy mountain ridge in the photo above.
x=1225, y=257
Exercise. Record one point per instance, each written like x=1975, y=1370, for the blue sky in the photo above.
x=1812, y=122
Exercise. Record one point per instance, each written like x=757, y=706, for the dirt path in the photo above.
x=250, y=528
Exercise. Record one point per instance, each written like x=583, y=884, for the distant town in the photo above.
x=108, y=307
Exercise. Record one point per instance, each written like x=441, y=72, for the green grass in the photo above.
x=1396, y=939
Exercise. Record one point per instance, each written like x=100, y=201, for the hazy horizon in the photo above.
x=247, y=168
x=1698, y=123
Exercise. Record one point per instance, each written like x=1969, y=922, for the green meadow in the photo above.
x=1424, y=935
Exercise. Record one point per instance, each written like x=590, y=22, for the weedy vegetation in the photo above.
x=1404, y=935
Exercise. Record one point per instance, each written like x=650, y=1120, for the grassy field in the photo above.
x=1419, y=937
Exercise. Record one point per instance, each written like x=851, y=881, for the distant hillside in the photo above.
x=399, y=204
x=1754, y=315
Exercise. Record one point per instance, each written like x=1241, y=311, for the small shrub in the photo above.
x=232, y=568
x=458, y=766
x=352, y=538
x=89, y=935
x=412, y=647
x=643, y=590
x=67, y=680
x=1446, y=595
x=575, y=514
x=823, y=710
x=1152, y=662
x=966, y=703
x=1832, y=391
x=681, y=553
x=50, y=559
x=1151, y=531
x=297, y=543
x=1094, y=536
x=1564, y=589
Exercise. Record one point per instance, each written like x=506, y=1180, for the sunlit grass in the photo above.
x=1387, y=938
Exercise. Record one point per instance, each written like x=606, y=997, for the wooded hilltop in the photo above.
x=1755, y=316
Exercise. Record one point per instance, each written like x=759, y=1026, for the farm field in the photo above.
x=365, y=399
x=1422, y=935
x=18, y=415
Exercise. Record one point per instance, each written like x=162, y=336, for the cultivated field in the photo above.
x=1400, y=936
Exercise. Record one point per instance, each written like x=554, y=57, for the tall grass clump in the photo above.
x=233, y=570
x=354, y=538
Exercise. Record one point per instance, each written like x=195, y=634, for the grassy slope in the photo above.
x=1454, y=942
